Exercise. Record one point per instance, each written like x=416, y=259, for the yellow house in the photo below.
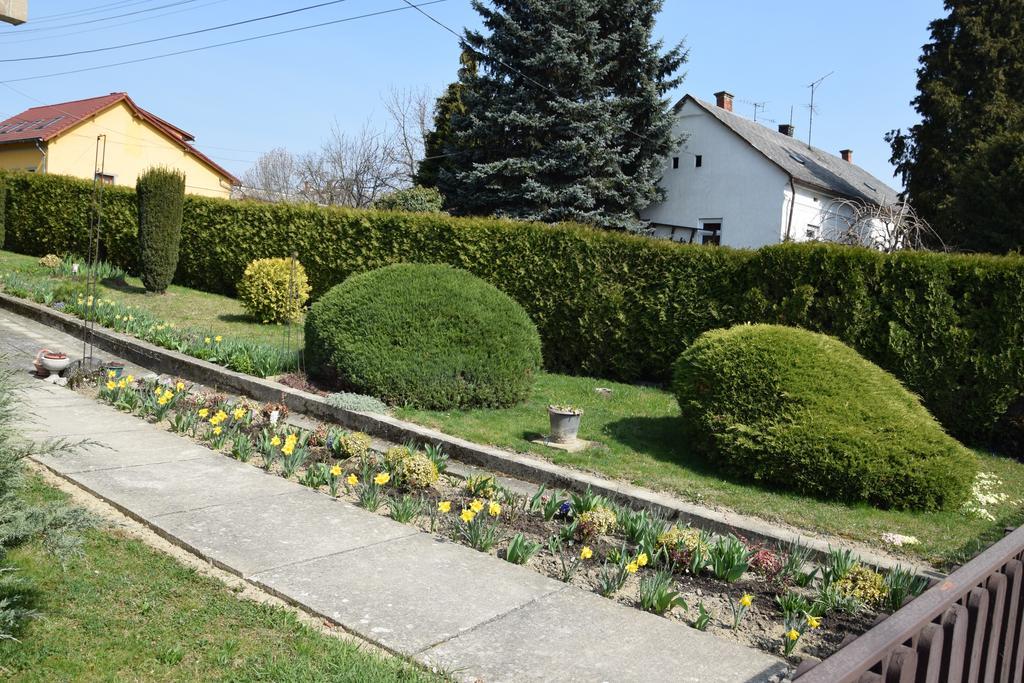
x=109, y=138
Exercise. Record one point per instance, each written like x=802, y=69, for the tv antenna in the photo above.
x=758, y=105
x=814, y=86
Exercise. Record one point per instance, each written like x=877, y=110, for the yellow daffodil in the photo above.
x=632, y=568
x=275, y=440
x=352, y=479
x=157, y=390
x=793, y=634
x=288, y=449
x=586, y=553
x=238, y=413
x=180, y=386
x=746, y=600
x=336, y=471
x=467, y=515
x=642, y=559
x=813, y=622
x=206, y=340
x=382, y=479
x=130, y=379
x=444, y=506
x=111, y=384
x=203, y=412
x=218, y=339
x=494, y=509
x=122, y=384
x=111, y=374
x=476, y=505
x=217, y=430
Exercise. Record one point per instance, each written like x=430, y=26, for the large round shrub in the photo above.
x=430, y=336
x=274, y=290
x=796, y=410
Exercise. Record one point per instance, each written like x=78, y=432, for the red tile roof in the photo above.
x=49, y=121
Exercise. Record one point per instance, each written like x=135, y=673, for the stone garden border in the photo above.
x=518, y=465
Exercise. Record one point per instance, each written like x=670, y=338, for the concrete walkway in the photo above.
x=450, y=607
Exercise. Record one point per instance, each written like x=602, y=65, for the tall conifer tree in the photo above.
x=963, y=165
x=565, y=116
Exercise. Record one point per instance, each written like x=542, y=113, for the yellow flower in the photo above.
x=218, y=339
x=122, y=384
x=158, y=390
x=746, y=600
x=494, y=509
x=793, y=634
x=206, y=340
x=111, y=384
x=632, y=568
x=203, y=412
x=336, y=471
x=642, y=559
x=217, y=430
x=586, y=553
x=467, y=515
x=238, y=413
x=275, y=440
x=813, y=622
x=352, y=479
x=168, y=395
x=180, y=386
x=476, y=506
x=111, y=373
x=130, y=378
x=162, y=400
x=382, y=479
x=444, y=506
x=288, y=449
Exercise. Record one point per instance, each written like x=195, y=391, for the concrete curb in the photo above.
x=516, y=465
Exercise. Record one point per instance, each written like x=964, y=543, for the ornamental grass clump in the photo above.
x=274, y=290
x=792, y=409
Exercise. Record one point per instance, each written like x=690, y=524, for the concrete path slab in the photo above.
x=585, y=636
x=411, y=593
x=258, y=535
x=424, y=597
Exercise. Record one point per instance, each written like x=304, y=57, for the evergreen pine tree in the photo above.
x=437, y=143
x=565, y=116
x=963, y=165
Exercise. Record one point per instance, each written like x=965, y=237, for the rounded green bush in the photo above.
x=273, y=290
x=429, y=336
x=796, y=410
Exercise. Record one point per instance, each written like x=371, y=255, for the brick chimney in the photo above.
x=724, y=100
x=787, y=129
x=847, y=155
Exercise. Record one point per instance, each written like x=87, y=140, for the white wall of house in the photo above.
x=816, y=215
x=735, y=185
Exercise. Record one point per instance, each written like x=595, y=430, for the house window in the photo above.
x=698, y=160
x=675, y=162
x=711, y=231
x=105, y=178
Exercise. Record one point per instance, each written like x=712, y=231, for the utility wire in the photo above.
x=216, y=45
x=93, y=21
x=177, y=35
x=45, y=18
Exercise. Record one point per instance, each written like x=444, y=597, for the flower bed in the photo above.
x=769, y=598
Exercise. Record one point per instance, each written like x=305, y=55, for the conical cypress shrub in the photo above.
x=161, y=196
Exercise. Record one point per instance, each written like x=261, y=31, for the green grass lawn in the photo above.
x=186, y=307
x=124, y=611
x=638, y=429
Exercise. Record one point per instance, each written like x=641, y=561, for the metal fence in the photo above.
x=967, y=627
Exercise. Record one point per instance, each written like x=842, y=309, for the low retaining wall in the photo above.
x=516, y=465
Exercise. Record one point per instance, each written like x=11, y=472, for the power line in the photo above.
x=177, y=35
x=110, y=26
x=114, y=16
x=89, y=10
x=216, y=45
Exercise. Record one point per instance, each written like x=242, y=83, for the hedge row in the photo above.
x=951, y=327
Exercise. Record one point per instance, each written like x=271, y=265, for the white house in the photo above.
x=738, y=183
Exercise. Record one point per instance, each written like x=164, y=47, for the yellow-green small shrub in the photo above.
x=687, y=538
x=50, y=261
x=352, y=445
x=596, y=522
x=419, y=471
x=273, y=290
x=865, y=584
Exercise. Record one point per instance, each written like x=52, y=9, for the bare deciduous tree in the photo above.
x=412, y=113
x=272, y=178
x=887, y=227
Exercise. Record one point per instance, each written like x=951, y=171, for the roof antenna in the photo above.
x=814, y=86
x=758, y=105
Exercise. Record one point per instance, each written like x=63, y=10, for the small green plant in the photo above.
x=615, y=572
x=901, y=584
x=370, y=492
x=315, y=476
x=437, y=455
x=795, y=558
x=837, y=565
x=184, y=422
x=595, y=522
x=241, y=448
x=481, y=486
x=792, y=604
x=569, y=560
x=739, y=608
x=730, y=558
x=656, y=594
x=634, y=525
x=831, y=599
x=864, y=584
x=552, y=506
x=293, y=456
x=586, y=502
x=406, y=508
x=360, y=403
x=478, y=530
x=334, y=479
x=794, y=629
x=520, y=550
x=703, y=617
x=536, y=501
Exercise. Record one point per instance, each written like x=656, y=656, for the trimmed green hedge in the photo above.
x=429, y=336
x=801, y=411
x=951, y=327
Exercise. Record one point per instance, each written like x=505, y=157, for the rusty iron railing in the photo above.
x=967, y=627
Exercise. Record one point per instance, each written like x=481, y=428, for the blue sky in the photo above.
x=288, y=91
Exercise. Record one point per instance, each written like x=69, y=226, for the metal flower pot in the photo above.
x=565, y=424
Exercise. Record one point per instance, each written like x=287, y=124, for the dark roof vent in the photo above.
x=787, y=129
